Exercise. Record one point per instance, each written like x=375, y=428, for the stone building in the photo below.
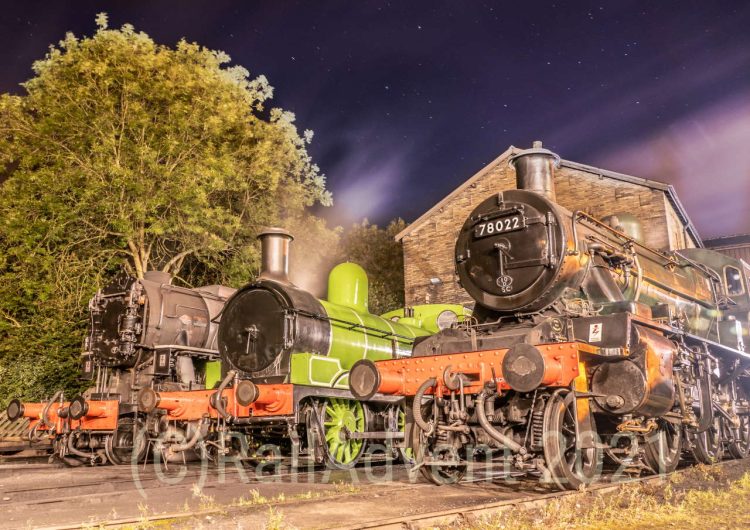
x=429, y=241
x=734, y=246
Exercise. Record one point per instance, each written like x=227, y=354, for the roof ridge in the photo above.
x=668, y=189
x=485, y=169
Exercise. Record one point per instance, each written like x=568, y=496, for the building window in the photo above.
x=733, y=280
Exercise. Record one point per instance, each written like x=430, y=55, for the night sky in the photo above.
x=409, y=99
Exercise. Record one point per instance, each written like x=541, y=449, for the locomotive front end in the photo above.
x=275, y=332
x=117, y=313
x=513, y=254
x=565, y=347
x=258, y=333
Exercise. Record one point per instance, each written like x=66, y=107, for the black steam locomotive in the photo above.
x=586, y=343
x=143, y=333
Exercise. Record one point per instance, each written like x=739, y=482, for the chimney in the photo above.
x=535, y=170
x=274, y=260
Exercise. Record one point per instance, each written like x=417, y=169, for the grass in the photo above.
x=699, y=497
x=207, y=504
x=275, y=520
x=256, y=499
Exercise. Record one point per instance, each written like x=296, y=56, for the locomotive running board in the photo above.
x=374, y=435
x=690, y=337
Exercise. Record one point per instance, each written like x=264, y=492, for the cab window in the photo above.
x=733, y=280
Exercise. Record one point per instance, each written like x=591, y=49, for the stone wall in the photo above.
x=429, y=246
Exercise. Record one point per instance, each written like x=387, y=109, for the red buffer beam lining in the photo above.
x=403, y=377
x=194, y=405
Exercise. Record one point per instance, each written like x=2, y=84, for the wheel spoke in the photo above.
x=569, y=466
x=343, y=414
x=340, y=452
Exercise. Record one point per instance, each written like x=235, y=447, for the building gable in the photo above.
x=428, y=243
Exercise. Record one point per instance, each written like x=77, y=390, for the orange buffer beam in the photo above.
x=95, y=415
x=264, y=400
x=17, y=410
x=271, y=400
x=186, y=405
x=522, y=367
x=56, y=414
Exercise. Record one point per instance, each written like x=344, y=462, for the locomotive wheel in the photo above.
x=738, y=438
x=119, y=445
x=569, y=467
x=444, y=474
x=338, y=415
x=707, y=445
x=663, y=448
x=406, y=453
x=422, y=445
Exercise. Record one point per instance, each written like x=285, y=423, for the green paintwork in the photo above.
x=318, y=370
x=348, y=286
x=337, y=414
x=732, y=320
x=213, y=373
x=426, y=316
x=357, y=334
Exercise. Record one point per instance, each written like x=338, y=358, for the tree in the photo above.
x=124, y=152
x=377, y=251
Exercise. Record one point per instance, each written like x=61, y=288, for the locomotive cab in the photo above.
x=733, y=297
x=134, y=321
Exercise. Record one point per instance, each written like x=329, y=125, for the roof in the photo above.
x=668, y=190
x=738, y=240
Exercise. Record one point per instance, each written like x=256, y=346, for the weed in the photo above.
x=343, y=488
x=644, y=505
x=275, y=520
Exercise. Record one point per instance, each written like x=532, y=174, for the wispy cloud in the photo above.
x=367, y=176
x=706, y=156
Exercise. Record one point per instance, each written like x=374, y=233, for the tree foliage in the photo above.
x=376, y=250
x=126, y=152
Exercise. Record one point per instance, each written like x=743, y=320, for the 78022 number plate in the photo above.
x=499, y=226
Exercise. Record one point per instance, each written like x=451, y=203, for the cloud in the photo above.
x=369, y=186
x=706, y=156
x=365, y=171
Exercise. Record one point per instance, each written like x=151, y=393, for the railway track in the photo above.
x=35, y=495
x=111, y=498
x=67, y=496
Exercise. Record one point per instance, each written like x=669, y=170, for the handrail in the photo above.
x=578, y=213
x=352, y=325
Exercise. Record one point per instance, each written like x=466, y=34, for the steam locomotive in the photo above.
x=285, y=358
x=142, y=332
x=585, y=344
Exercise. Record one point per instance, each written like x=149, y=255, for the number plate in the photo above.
x=499, y=226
